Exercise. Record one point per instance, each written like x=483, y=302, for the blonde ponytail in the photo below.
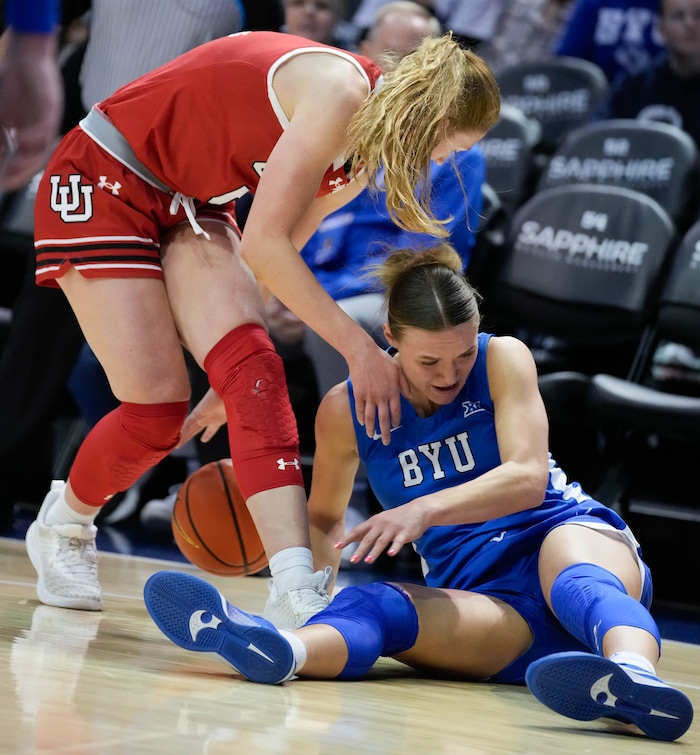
x=435, y=89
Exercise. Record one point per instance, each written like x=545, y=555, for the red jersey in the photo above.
x=206, y=123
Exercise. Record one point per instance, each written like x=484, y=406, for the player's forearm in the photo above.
x=505, y=490
x=280, y=269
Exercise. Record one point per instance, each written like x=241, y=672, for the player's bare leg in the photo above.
x=214, y=296
x=465, y=635
x=129, y=326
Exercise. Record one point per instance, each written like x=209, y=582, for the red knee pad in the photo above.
x=246, y=371
x=122, y=446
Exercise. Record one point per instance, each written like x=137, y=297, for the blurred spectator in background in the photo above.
x=398, y=28
x=526, y=30
x=619, y=36
x=474, y=21
x=366, y=11
x=669, y=89
x=314, y=19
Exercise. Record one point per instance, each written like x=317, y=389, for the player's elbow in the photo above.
x=532, y=482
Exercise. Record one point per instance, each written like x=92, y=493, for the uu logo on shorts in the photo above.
x=74, y=201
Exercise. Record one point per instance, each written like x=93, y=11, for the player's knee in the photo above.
x=248, y=374
x=375, y=620
x=122, y=446
x=245, y=367
x=589, y=600
x=155, y=426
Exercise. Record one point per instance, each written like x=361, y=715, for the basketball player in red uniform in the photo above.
x=135, y=221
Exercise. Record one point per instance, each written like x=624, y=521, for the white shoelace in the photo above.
x=77, y=557
x=187, y=204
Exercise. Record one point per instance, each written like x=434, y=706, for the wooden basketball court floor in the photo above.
x=110, y=682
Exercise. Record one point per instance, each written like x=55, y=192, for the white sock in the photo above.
x=288, y=567
x=61, y=513
x=625, y=658
x=298, y=648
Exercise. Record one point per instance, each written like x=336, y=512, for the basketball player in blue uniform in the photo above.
x=527, y=577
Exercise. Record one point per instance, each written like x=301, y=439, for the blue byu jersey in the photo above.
x=454, y=445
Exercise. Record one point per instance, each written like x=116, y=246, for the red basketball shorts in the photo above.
x=96, y=215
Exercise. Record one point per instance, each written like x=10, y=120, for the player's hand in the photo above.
x=206, y=418
x=389, y=530
x=377, y=381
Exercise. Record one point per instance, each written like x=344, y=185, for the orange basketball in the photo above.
x=212, y=525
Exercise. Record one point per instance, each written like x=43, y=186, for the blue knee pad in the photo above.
x=375, y=620
x=588, y=600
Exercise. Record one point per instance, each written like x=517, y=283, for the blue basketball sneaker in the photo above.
x=585, y=686
x=195, y=616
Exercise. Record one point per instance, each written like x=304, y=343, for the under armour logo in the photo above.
x=74, y=201
x=104, y=184
x=336, y=184
x=281, y=464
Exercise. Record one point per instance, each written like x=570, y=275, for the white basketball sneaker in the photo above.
x=293, y=608
x=65, y=559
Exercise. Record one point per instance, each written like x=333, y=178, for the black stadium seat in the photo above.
x=581, y=264
x=509, y=149
x=653, y=435
x=560, y=93
x=580, y=271
x=655, y=158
